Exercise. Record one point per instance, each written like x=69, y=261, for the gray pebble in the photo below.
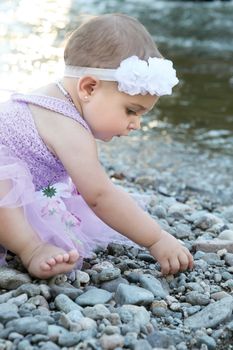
x=130, y=294
x=28, y=325
x=211, y=315
x=111, y=286
x=196, y=298
x=96, y=312
x=153, y=285
x=12, y=279
x=65, y=304
x=94, y=296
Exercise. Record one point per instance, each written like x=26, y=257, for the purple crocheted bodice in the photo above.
x=19, y=133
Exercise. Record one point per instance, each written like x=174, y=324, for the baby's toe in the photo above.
x=66, y=257
x=59, y=258
x=51, y=261
x=45, y=266
x=73, y=256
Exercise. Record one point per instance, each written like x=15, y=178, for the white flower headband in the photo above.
x=134, y=76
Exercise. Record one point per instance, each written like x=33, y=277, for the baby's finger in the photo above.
x=191, y=262
x=190, y=258
x=184, y=262
x=174, y=265
x=165, y=267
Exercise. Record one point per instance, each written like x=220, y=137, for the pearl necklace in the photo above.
x=65, y=93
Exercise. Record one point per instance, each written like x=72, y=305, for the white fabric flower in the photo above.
x=135, y=76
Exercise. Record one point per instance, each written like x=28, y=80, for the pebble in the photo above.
x=226, y=235
x=94, y=296
x=153, y=285
x=136, y=314
x=130, y=294
x=12, y=279
x=28, y=325
x=65, y=304
x=111, y=342
x=111, y=286
x=211, y=315
x=96, y=312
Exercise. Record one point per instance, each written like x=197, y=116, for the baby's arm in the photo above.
x=78, y=153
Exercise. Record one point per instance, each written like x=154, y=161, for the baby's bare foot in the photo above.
x=46, y=261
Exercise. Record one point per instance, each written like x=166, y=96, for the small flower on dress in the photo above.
x=49, y=191
x=70, y=220
x=52, y=207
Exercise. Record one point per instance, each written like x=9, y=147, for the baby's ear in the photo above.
x=87, y=86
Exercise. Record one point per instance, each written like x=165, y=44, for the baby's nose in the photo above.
x=135, y=125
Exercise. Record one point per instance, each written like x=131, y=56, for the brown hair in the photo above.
x=104, y=41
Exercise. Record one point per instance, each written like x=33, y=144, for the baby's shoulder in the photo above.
x=54, y=128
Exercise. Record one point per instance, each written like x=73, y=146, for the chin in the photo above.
x=105, y=139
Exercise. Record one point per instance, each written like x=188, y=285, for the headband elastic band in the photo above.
x=134, y=76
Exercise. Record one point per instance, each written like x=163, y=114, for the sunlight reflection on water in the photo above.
x=31, y=55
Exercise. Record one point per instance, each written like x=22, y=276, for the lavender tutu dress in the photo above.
x=31, y=177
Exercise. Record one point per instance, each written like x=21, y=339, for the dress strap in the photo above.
x=53, y=104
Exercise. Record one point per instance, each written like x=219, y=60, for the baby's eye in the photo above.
x=130, y=111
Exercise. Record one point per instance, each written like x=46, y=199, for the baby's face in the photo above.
x=112, y=113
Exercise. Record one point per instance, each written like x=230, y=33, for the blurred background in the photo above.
x=197, y=36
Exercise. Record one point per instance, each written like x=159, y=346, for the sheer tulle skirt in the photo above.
x=58, y=214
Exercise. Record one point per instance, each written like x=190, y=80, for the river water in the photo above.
x=197, y=36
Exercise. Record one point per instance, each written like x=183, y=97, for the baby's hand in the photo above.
x=171, y=255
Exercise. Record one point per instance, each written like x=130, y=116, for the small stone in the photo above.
x=159, y=339
x=84, y=323
x=81, y=278
x=152, y=284
x=136, y=314
x=39, y=300
x=109, y=274
x=219, y=295
x=129, y=294
x=228, y=257
x=213, y=245
x=96, y=312
x=69, y=339
x=102, y=265
x=205, y=221
x=74, y=315
x=211, y=315
x=111, y=286
x=196, y=298
x=94, y=296
x=226, y=235
x=207, y=340
x=142, y=344
x=70, y=291
x=65, y=304
x=179, y=210
x=5, y=297
x=8, y=312
x=30, y=289
x=25, y=344
x=12, y=279
x=19, y=300
x=111, y=342
x=28, y=325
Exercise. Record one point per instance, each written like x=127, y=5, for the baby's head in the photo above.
x=115, y=73
x=105, y=41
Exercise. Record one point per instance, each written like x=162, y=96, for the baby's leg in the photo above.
x=41, y=259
